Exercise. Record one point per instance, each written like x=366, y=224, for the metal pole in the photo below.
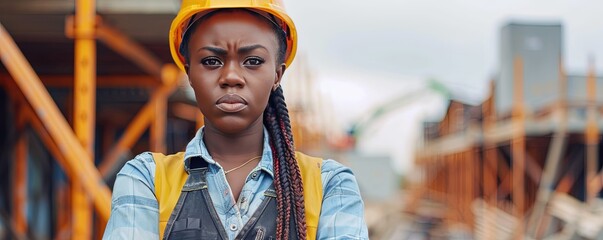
x=20, y=177
x=592, y=135
x=518, y=147
x=489, y=166
x=112, y=81
x=84, y=106
x=158, y=125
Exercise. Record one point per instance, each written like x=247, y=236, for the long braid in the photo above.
x=279, y=197
x=283, y=185
x=269, y=123
x=283, y=200
x=287, y=179
x=294, y=171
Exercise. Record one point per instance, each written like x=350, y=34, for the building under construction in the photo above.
x=524, y=164
x=84, y=87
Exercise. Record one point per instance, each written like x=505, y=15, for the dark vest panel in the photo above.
x=194, y=216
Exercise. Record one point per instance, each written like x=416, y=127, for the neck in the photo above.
x=234, y=148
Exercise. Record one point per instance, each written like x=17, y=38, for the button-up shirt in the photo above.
x=135, y=211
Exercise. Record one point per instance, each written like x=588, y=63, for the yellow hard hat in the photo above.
x=189, y=8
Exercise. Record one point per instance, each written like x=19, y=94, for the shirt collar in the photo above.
x=196, y=148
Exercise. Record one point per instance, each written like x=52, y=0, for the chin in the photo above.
x=232, y=126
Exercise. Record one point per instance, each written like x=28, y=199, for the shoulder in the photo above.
x=331, y=172
x=334, y=175
x=331, y=166
x=134, y=206
x=342, y=213
x=141, y=167
x=338, y=179
x=144, y=166
x=135, y=182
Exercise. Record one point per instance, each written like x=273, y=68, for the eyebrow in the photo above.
x=246, y=49
x=221, y=51
x=215, y=50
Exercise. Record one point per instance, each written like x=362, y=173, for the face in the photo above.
x=233, y=68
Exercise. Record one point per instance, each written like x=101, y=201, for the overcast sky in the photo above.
x=453, y=41
x=363, y=53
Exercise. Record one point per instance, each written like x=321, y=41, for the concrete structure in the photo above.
x=540, y=47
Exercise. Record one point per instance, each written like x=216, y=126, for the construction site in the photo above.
x=525, y=163
x=87, y=85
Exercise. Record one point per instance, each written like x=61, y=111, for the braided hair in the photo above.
x=287, y=176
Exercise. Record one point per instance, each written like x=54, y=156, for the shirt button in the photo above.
x=233, y=227
x=254, y=175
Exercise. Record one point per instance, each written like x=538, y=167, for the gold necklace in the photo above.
x=240, y=166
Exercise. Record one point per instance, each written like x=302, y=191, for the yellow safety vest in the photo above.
x=170, y=177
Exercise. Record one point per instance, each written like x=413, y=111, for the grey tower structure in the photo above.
x=540, y=47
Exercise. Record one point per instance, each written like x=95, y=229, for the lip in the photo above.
x=231, y=103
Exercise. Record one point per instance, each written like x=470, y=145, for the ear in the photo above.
x=280, y=70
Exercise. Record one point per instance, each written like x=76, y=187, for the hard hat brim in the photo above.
x=180, y=23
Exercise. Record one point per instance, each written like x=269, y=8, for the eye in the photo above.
x=211, y=61
x=253, y=61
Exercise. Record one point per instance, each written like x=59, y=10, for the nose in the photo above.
x=232, y=76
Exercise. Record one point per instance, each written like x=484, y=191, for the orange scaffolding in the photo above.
x=73, y=147
x=526, y=173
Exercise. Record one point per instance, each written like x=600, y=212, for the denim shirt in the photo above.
x=135, y=211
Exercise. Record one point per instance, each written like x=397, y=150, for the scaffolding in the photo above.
x=85, y=201
x=530, y=175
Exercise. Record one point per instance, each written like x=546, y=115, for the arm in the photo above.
x=342, y=213
x=134, y=207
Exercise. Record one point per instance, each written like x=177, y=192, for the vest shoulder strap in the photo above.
x=170, y=177
x=310, y=168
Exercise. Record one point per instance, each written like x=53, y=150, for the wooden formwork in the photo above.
x=524, y=167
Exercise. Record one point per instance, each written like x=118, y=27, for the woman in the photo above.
x=240, y=177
